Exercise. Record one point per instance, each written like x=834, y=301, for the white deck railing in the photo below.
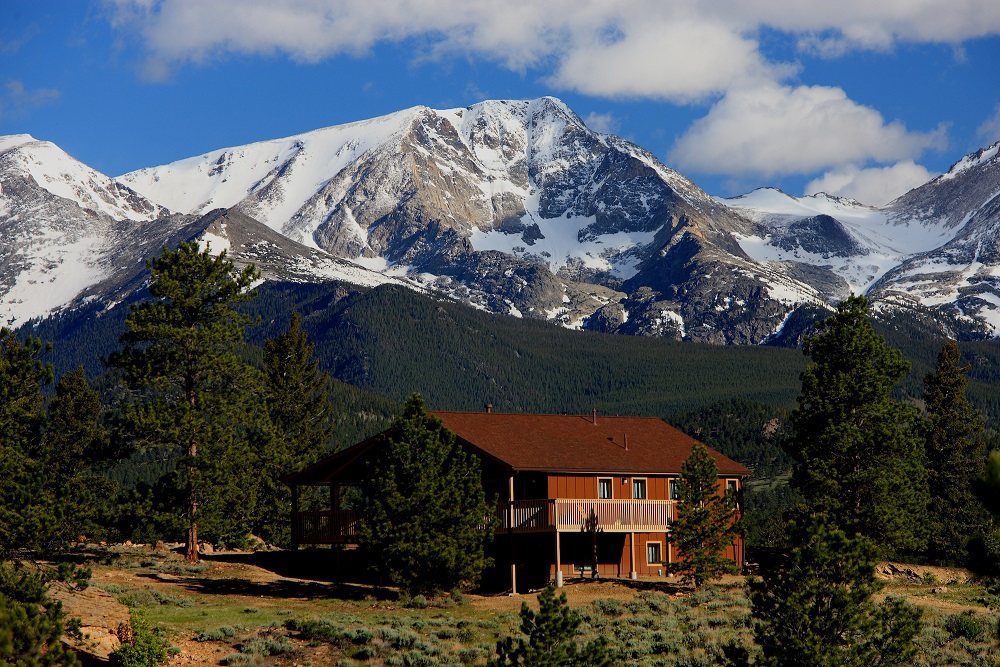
x=521, y=516
x=570, y=514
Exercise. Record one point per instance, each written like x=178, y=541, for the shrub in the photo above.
x=550, y=638
x=967, y=624
x=147, y=648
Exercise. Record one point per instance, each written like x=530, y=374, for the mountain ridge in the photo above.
x=515, y=207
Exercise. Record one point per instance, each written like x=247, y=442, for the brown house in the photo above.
x=549, y=473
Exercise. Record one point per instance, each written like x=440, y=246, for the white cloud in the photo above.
x=775, y=130
x=670, y=50
x=601, y=122
x=990, y=129
x=680, y=60
x=875, y=186
x=17, y=100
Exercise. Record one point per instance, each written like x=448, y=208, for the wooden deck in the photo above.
x=523, y=516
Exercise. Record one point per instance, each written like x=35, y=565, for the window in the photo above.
x=604, y=488
x=653, y=556
x=731, y=486
x=638, y=488
x=675, y=489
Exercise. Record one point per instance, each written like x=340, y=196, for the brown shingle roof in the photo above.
x=551, y=443
x=571, y=443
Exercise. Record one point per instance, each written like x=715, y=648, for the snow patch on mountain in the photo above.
x=977, y=159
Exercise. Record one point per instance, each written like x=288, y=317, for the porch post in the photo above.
x=510, y=533
x=559, y=577
x=631, y=561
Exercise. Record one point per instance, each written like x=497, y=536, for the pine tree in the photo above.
x=31, y=622
x=706, y=522
x=22, y=376
x=424, y=518
x=857, y=450
x=29, y=519
x=956, y=457
x=74, y=437
x=74, y=442
x=299, y=411
x=179, y=350
x=815, y=607
x=550, y=638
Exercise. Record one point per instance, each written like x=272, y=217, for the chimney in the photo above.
x=595, y=416
x=489, y=408
x=625, y=437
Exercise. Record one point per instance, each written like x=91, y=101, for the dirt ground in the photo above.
x=254, y=590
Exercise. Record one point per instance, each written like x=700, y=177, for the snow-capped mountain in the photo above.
x=937, y=247
x=62, y=225
x=962, y=275
x=69, y=234
x=515, y=207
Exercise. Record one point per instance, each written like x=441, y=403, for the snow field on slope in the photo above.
x=860, y=272
x=970, y=161
x=870, y=226
x=561, y=243
x=59, y=271
x=202, y=183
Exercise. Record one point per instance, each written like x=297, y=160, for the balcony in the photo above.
x=523, y=516
x=569, y=515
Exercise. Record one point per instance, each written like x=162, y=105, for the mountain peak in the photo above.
x=12, y=141
x=972, y=160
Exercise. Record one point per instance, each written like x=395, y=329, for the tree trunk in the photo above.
x=191, y=549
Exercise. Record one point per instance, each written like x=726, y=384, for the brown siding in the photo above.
x=573, y=486
x=585, y=486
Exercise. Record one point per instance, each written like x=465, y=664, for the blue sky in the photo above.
x=847, y=97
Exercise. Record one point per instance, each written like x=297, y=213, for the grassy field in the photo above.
x=278, y=609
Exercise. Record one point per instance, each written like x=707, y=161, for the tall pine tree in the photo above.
x=299, y=413
x=28, y=517
x=76, y=441
x=424, y=516
x=74, y=436
x=706, y=523
x=956, y=457
x=179, y=353
x=858, y=451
